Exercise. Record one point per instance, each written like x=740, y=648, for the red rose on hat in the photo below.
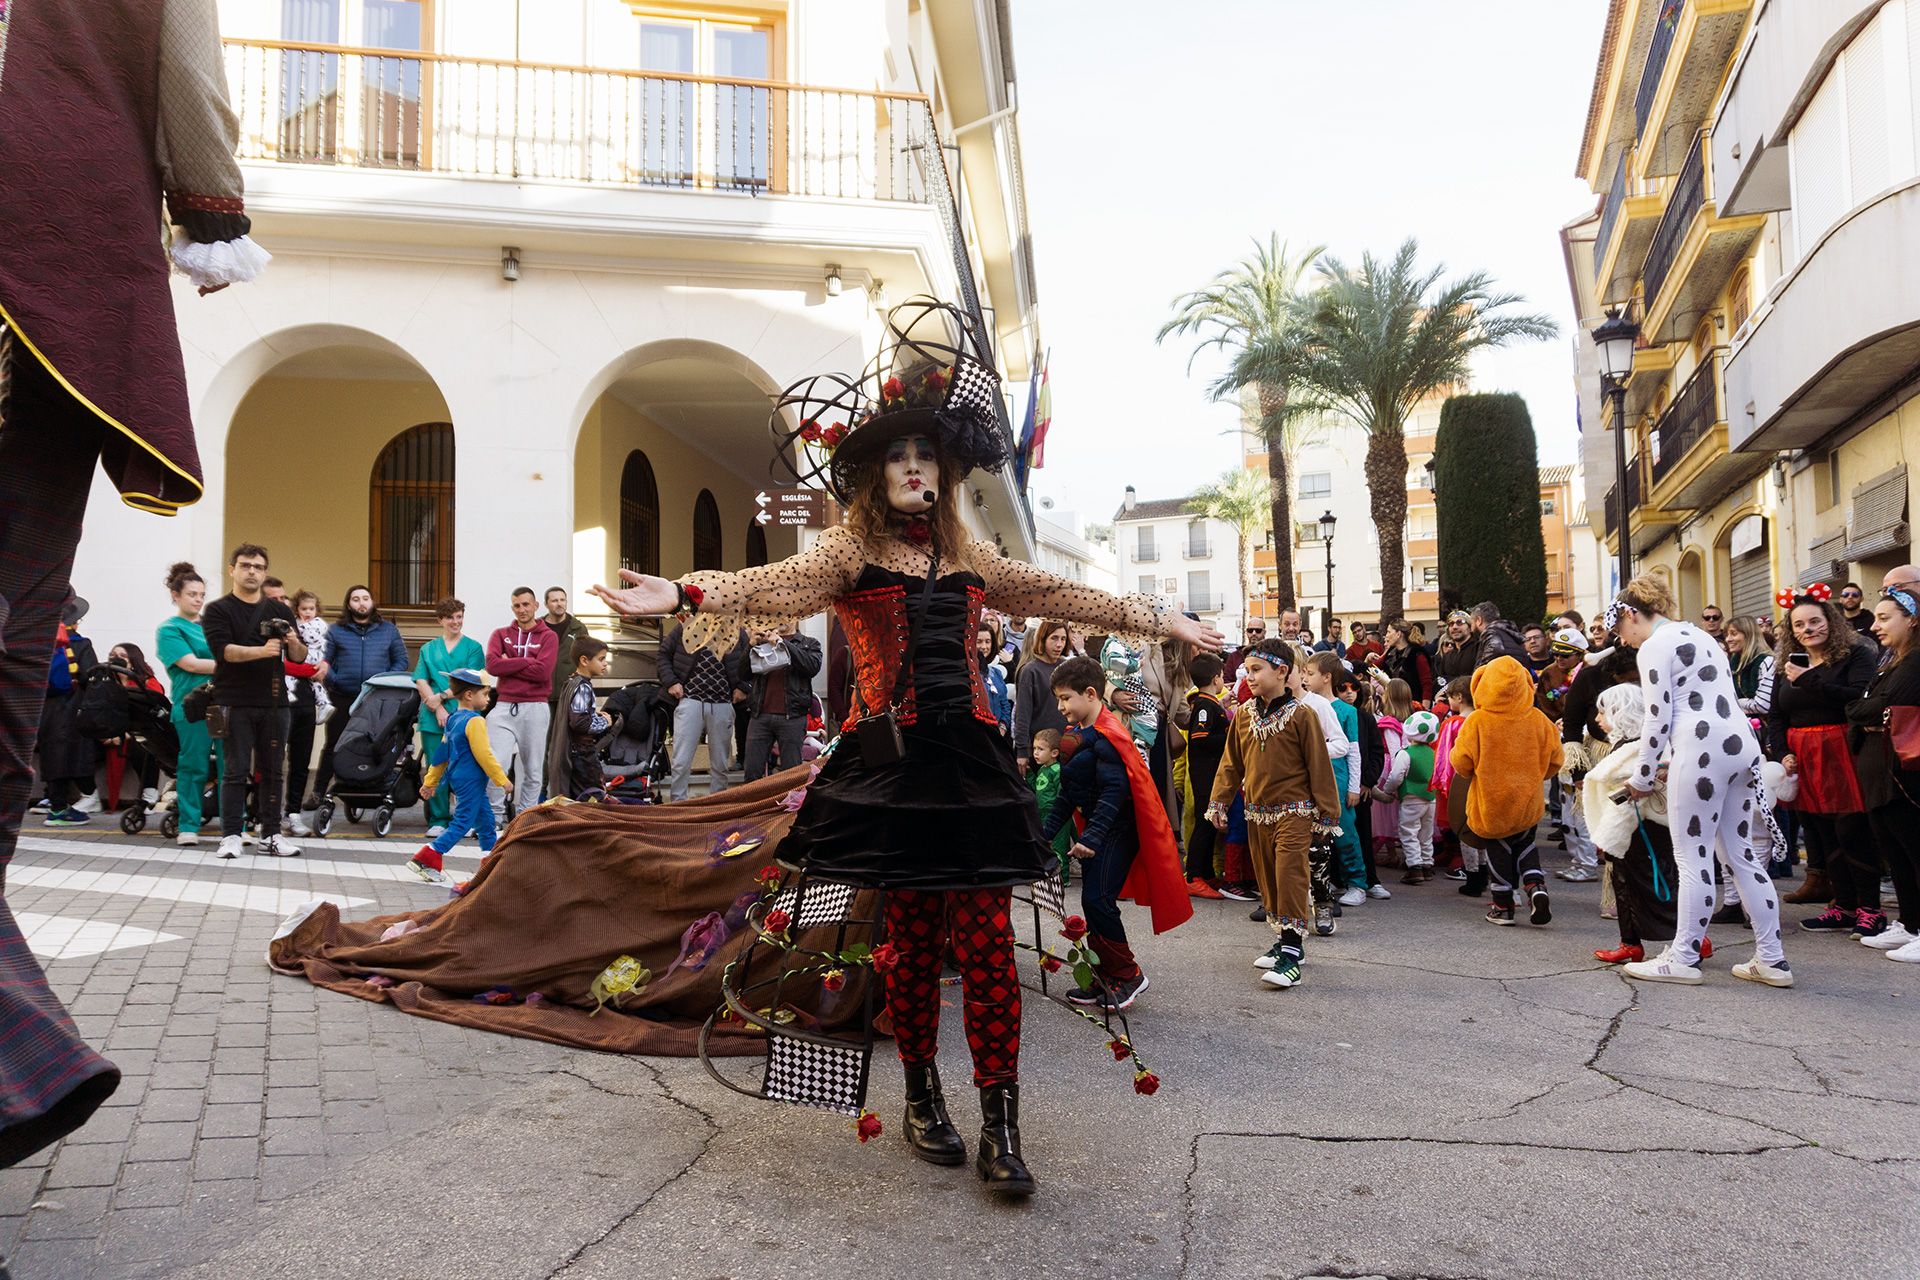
x=835, y=434
x=810, y=431
x=893, y=389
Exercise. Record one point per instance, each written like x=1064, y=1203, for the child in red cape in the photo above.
x=1126, y=846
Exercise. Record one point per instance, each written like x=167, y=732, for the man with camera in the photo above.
x=251, y=637
x=783, y=664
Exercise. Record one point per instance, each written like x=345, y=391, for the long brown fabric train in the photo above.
x=569, y=889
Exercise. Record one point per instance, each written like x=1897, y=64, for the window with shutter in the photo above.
x=1879, y=522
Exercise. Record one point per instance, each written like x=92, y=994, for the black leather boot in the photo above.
x=999, y=1162
x=929, y=1131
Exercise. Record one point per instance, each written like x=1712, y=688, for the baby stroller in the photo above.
x=374, y=766
x=635, y=758
x=110, y=708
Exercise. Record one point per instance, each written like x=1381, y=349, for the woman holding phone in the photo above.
x=1824, y=664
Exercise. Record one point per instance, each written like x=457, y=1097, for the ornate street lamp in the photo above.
x=1433, y=487
x=1327, y=522
x=1614, y=340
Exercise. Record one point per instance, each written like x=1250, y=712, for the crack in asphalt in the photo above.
x=706, y=1145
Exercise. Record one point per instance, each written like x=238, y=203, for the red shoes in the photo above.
x=1197, y=888
x=1621, y=955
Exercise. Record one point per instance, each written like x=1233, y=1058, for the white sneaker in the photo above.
x=1577, y=875
x=435, y=832
x=187, y=839
x=1758, y=970
x=1378, y=891
x=1909, y=954
x=297, y=826
x=277, y=847
x=88, y=803
x=230, y=846
x=1353, y=897
x=150, y=796
x=1664, y=968
x=1891, y=938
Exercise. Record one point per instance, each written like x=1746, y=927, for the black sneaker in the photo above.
x=1542, y=911
x=1497, y=914
x=1083, y=996
x=1238, y=892
x=1121, y=995
x=1258, y=915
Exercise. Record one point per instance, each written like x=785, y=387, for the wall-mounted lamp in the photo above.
x=510, y=263
x=1780, y=473
x=979, y=499
x=834, y=283
x=877, y=294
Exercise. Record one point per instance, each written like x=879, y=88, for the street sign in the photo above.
x=792, y=508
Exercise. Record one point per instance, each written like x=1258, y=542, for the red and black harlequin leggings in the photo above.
x=922, y=924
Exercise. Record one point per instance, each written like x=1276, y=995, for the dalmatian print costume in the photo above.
x=1713, y=797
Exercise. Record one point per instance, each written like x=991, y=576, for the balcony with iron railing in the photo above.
x=1693, y=254
x=1693, y=466
x=1688, y=197
x=1655, y=66
x=1676, y=94
x=1146, y=555
x=359, y=108
x=1199, y=550
x=1627, y=219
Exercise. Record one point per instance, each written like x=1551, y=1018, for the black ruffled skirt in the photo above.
x=954, y=813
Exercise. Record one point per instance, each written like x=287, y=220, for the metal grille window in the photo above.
x=708, y=552
x=639, y=516
x=411, y=505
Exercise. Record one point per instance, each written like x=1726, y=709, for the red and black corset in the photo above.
x=945, y=671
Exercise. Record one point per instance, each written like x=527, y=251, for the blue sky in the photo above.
x=1160, y=139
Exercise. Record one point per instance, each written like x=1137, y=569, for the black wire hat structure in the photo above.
x=931, y=376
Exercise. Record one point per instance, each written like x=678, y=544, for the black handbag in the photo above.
x=879, y=732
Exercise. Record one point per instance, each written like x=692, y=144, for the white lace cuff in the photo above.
x=220, y=263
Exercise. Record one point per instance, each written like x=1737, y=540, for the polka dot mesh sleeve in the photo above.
x=767, y=595
x=1026, y=591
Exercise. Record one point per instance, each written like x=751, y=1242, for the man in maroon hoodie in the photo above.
x=521, y=658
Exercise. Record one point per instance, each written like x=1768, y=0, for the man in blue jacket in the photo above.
x=360, y=645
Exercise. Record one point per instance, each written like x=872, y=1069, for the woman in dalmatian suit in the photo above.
x=1714, y=798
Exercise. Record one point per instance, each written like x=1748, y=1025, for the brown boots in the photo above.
x=1813, y=889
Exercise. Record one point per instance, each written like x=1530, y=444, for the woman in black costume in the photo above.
x=947, y=828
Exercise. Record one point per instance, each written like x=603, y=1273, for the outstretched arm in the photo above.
x=1024, y=590
x=758, y=598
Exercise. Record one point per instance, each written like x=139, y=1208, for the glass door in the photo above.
x=741, y=111
x=667, y=111
x=705, y=131
x=392, y=88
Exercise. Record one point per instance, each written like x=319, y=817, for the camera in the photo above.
x=276, y=628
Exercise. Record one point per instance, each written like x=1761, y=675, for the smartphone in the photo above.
x=1622, y=796
x=1800, y=658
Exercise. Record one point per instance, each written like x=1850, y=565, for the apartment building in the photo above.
x=539, y=268
x=1755, y=169
x=1162, y=549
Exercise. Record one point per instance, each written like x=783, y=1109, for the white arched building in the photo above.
x=525, y=318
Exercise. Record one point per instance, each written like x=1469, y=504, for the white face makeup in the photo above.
x=912, y=471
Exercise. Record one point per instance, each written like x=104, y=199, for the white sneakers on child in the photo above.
x=1891, y=938
x=1909, y=954
x=1353, y=897
x=230, y=846
x=1378, y=892
x=277, y=847
x=1664, y=968
x=1758, y=970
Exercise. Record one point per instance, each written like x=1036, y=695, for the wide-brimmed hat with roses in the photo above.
x=930, y=377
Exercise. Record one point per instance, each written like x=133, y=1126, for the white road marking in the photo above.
x=65, y=938
x=241, y=897
x=205, y=860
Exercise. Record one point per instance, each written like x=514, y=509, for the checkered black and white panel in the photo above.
x=823, y=903
x=1050, y=895
x=814, y=1075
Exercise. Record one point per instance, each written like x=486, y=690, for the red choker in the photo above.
x=917, y=530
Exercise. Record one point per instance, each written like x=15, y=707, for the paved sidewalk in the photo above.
x=1440, y=1099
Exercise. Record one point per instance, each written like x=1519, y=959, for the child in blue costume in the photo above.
x=467, y=763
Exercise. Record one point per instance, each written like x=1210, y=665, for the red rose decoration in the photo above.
x=1073, y=928
x=769, y=876
x=884, y=957
x=810, y=431
x=1120, y=1050
x=893, y=390
x=778, y=920
x=835, y=434
x=1050, y=963
x=868, y=1126
x=1146, y=1082
x=936, y=380
x=833, y=979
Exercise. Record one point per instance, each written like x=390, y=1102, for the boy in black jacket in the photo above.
x=1206, y=744
x=1094, y=784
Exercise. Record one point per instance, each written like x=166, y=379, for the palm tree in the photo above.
x=1242, y=499
x=1379, y=340
x=1251, y=313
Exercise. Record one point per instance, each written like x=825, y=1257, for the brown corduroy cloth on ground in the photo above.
x=570, y=888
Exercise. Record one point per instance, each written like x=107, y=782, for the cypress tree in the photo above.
x=1487, y=492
